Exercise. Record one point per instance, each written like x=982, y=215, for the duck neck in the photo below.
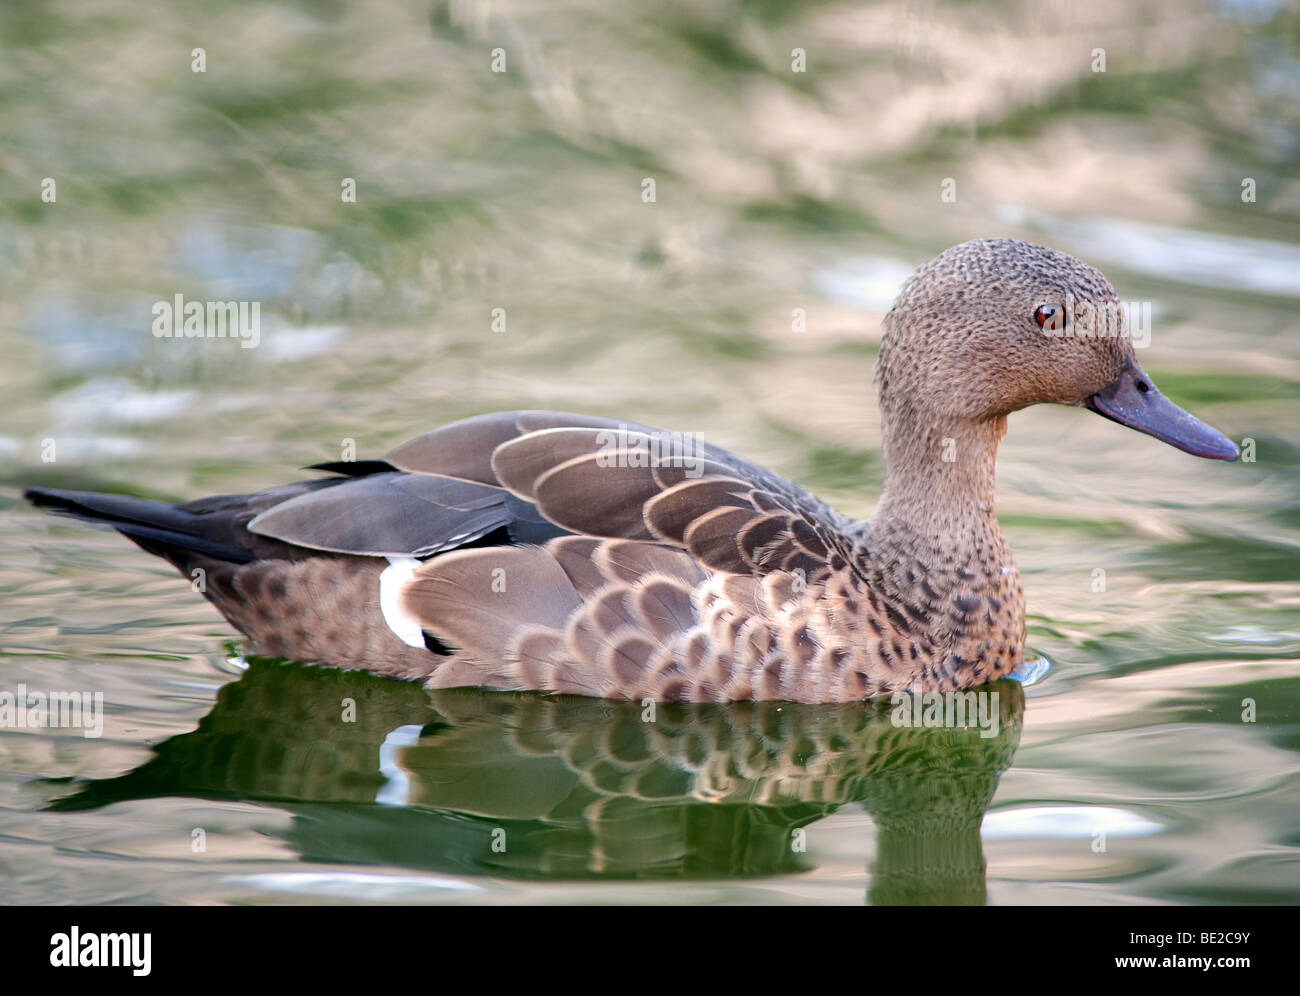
x=939, y=481
x=934, y=552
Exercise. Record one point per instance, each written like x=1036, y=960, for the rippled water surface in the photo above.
x=1155, y=761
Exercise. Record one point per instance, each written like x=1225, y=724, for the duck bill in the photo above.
x=1134, y=401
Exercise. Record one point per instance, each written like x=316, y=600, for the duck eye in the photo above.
x=1050, y=316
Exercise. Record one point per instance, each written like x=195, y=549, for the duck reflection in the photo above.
x=534, y=786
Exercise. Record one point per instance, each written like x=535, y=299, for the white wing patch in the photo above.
x=391, y=581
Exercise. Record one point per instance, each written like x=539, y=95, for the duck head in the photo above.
x=995, y=325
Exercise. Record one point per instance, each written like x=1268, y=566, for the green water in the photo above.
x=1157, y=761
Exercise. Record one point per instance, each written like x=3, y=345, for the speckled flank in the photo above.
x=323, y=608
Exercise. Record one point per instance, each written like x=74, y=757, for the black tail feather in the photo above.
x=155, y=525
x=354, y=468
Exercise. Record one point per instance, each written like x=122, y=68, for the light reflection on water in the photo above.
x=1166, y=726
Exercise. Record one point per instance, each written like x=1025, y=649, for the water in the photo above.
x=1154, y=761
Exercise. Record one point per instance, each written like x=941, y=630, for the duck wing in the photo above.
x=617, y=480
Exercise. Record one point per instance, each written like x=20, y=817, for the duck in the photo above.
x=581, y=555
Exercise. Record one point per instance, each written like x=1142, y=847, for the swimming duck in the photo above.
x=588, y=556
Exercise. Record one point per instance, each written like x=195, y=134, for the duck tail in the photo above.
x=158, y=527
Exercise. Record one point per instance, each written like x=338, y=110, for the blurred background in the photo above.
x=782, y=181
